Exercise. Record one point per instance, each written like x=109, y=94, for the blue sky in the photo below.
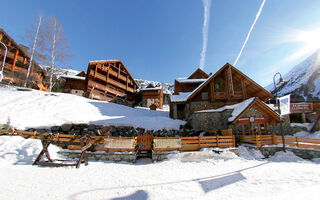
x=162, y=39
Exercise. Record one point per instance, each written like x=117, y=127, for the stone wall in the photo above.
x=302, y=153
x=286, y=128
x=116, y=131
x=202, y=121
x=103, y=156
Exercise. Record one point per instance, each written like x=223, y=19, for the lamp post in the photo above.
x=4, y=61
x=275, y=88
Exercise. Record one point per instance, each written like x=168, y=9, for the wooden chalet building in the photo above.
x=75, y=84
x=152, y=95
x=190, y=83
x=109, y=80
x=17, y=63
x=224, y=100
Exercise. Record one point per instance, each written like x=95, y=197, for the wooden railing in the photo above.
x=98, y=143
x=261, y=140
x=196, y=143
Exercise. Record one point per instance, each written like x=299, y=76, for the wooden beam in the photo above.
x=95, y=71
x=229, y=82
x=244, y=90
x=127, y=82
x=212, y=97
x=15, y=59
x=108, y=71
x=119, y=70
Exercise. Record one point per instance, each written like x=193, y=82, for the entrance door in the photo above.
x=243, y=129
x=259, y=128
x=255, y=128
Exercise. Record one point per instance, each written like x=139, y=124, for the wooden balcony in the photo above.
x=92, y=84
x=111, y=81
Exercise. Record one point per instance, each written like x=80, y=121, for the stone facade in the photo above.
x=202, y=121
x=116, y=131
x=104, y=156
x=286, y=128
x=302, y=153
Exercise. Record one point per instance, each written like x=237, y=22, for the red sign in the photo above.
x=256, y=119
x=243, y=120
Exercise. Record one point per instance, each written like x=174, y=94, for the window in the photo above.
x=243, y=129
x=255, y=129
x=204, y=95
x=239, y=128
x=218, y=84
x=262, y=129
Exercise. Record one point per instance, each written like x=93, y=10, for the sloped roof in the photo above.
x=199, y=73
x=241, y=108
x=16, y=45
x=181, y=97
x=253, y=84
x=186, y=80
x=73, y=77
x=116, y=61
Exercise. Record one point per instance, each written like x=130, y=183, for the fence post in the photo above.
x=273, y=139
x=233, y=141
x=199, y=142
x=297, y=142
x=257, y=142
x=217, y=140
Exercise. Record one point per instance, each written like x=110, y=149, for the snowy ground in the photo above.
x=305, y=134
x=189, y=175
x=40, y=109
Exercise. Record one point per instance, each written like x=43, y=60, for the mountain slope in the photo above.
x=303, y=80
x=167, y=87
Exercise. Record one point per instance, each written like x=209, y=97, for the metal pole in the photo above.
x=281, y=132
x=4, y=61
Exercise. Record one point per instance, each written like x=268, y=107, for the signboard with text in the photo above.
x=284, y=105
x=166, y=143
x=111, y=143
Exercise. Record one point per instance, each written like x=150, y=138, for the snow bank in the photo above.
x=287, y=156
x=41, y=109
x=249, y=154
x=305, y=134
x=206, y=154
x=210, y=176
x=15, y=150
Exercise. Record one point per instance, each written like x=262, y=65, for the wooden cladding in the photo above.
x=17, y=63
x=109, y=81
x=229, y=82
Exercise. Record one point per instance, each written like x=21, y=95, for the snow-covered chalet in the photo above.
x=227, y=99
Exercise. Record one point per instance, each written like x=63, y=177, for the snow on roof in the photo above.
x=185, y=80
x=73, y=77
x=237, y=109
x=104, y=60
x=156, y=88
x=181, y=97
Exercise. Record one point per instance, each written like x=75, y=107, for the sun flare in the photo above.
x=310, y=40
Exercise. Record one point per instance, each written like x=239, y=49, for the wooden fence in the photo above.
x=144, y=142
x=261, y=140
x=195, y=143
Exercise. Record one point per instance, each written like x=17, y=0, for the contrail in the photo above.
x=254, y=23
x=205, y=29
